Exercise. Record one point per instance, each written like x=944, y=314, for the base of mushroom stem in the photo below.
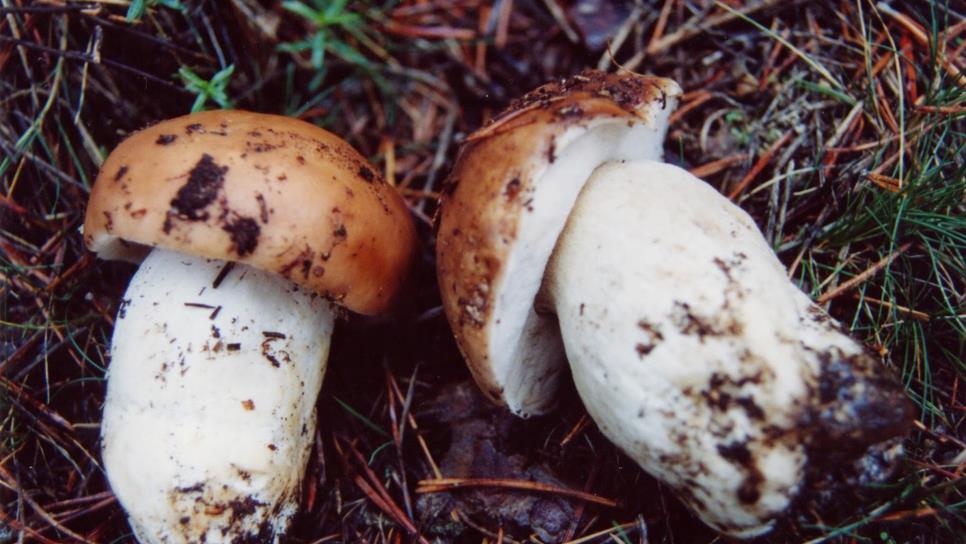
x=210, y=408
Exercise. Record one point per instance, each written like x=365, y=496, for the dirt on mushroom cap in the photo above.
x=270, y=191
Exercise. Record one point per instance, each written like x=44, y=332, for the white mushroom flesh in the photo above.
x=210, y=408
x=688, y=344
x=525, y=348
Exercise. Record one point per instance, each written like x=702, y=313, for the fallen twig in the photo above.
x=445, y=484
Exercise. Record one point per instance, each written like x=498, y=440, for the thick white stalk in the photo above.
x=210, y=408
x=693, y=351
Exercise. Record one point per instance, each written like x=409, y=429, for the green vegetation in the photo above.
x=214, y=89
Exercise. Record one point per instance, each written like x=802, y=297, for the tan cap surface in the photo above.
x=510, y=192
x=269, y=191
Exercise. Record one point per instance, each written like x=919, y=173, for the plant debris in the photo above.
x=840, y=126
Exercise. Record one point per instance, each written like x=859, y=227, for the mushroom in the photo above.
x=562, y=236
x=252, y=229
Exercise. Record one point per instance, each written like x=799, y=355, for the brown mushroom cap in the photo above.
x=503, y=209
x=269, y=191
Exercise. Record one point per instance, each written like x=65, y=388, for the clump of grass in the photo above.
x=214, y=89
x=137, y=7
x=329, y=21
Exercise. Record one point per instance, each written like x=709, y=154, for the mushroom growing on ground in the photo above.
x=252, y=228
x=563, y=237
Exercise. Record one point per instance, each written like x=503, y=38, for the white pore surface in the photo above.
x=525, y=350
x=210, y=408
x=687, y=341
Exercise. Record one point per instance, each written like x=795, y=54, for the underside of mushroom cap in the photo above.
x=510, y=193
x=273, y=192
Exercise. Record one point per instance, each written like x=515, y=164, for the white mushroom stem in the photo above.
x=688, y=344
x=210, y=409
x=525, y=351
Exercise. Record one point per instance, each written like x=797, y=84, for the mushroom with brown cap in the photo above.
x=252, y=228
x=563, y=237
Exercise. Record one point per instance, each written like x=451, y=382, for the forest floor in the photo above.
x=840, y=126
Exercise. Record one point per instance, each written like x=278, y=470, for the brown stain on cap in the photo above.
x=299, y=174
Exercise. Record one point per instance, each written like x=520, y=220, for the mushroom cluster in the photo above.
x=253, y=229
x=563, y=237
